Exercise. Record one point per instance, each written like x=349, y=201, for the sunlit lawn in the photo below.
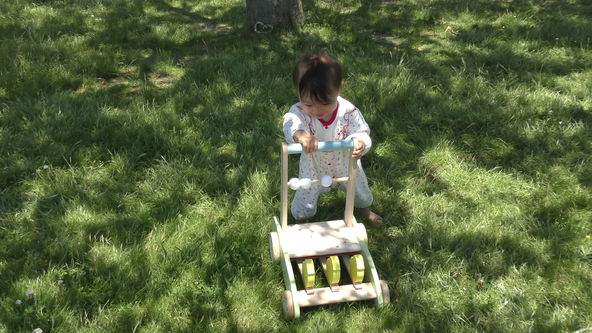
x=139, y=164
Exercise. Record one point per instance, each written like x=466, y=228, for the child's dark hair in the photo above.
x=317, y=76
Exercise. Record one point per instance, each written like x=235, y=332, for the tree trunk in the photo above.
x=271, y=14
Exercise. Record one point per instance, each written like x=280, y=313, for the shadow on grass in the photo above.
x=75, y=127
x=82, y=128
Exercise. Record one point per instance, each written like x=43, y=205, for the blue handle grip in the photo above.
x=296, y=148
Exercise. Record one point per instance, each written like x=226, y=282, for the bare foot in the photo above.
x=371, y=216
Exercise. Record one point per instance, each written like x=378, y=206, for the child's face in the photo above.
x=317, y=109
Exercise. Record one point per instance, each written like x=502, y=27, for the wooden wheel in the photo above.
x=274, y=247
x=288, y=305
x=361, y=232
x=386, y=295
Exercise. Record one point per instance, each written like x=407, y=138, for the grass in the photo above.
x=139, y=163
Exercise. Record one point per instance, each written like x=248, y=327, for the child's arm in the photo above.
x=309, y=143
x=292, y=124
x=295, y=131
x=359, y=147
x=360, y=132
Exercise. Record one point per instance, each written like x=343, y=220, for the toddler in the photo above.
x=323, y=115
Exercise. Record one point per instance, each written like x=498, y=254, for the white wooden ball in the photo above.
x=326, y=181
x=294, y=183
x=305, y=183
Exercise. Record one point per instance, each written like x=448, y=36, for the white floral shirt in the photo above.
x=347, y=123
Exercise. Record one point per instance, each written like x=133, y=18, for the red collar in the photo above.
x=333, y=116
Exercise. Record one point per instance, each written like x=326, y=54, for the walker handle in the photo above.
x=296, y=148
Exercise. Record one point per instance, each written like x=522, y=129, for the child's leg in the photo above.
x=364, y=198
x=304, y=204
x=370, y=215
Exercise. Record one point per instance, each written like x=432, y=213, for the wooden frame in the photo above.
x=320, y=240
x=284, y=187
x=350, y=191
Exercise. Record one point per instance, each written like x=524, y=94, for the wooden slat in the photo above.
x=350, y=191
x=307, y=240
x=346, y=293
x=372, y=273
x=284, y=186
x=286, y=264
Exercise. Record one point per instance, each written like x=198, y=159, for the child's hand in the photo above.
x=309, y=143
x=359, y=147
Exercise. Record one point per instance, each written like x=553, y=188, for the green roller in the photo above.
x=333, y=270
x=356, y=268
x=308, y=273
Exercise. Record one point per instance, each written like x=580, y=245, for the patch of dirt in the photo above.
x=389, y=41
x=200, y=22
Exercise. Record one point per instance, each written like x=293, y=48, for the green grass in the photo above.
x=139, y=165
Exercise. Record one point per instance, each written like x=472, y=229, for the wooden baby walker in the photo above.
x=326, y=242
